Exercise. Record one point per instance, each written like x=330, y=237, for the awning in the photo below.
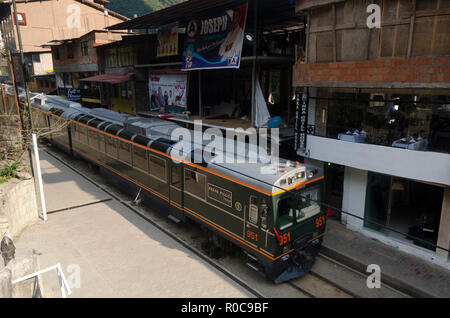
x=109, y=78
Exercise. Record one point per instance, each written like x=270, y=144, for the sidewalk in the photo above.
x=118, y=253
x=405, y=272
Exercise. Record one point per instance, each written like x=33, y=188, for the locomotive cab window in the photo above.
x=158, y=168
x=195, y=183
x=298, y=208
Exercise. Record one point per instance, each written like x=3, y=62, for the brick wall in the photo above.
x=421, y=72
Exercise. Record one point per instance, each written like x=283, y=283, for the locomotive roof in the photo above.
x=263, y=173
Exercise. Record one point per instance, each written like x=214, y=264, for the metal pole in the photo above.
x=25, y=84
x=39, y=175
x=255, y=52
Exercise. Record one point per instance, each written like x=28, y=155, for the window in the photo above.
x=195, y=183
x=92, y=139
x=125, y=90
x=158, y=168
x=111, y=58
x=140, y=158
x=302, y=207
x=83, y=134
x=37, y=58
x=70, y=51
x=111, y=146
x=56, y=53
x=253, y=210
x=84, y=48
x=175, y=173
x=125, y=152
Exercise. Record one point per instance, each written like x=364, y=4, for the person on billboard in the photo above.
x=160, y=99
x=232, y=44
x=171, y=100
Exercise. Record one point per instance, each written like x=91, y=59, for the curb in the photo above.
x=385, y=278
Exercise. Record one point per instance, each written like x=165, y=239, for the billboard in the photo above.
x=168, y=90
x=167, y=40
x=215, y=42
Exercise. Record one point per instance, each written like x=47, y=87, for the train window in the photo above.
x=125, y=152
x=175, y=173
x=92, y=138
x=195, y=183
x=74, y=132
x=253, y=210
x=286, y=212
x=82, y=134
x=111, y=146
x=307, y=204
x=158, y=168
x=140, y=158
x=101, y=142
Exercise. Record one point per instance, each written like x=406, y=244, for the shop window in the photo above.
x=125, y=90
x=158, y=168
x=195, y=183
x=411, y=208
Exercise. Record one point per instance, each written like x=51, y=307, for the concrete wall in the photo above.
x=19, y=205
x=417, y=165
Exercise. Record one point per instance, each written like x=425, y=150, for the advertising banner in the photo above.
x=167, y=40
x=168, y=90
x=215, y=42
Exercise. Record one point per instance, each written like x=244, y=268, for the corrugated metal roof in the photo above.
x=269, y=12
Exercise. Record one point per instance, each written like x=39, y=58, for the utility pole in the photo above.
x=24, y=70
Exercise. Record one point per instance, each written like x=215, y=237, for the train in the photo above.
x=276, y=219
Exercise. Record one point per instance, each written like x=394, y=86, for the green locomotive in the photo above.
x=276, y=218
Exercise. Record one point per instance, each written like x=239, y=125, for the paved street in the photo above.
x=119, y=254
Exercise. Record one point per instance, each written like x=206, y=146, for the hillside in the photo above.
x=140, y=7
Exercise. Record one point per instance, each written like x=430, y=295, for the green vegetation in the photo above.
x=8, y=172
x=140, y=7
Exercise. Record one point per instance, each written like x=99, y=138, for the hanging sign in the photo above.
x=301, y=121
x=168, y=90
x=167, y=40
x=215, y=42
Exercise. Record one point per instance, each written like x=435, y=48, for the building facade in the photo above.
x=379, y=116
x=48, y=20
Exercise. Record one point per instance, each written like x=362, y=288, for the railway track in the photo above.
x=314, y=285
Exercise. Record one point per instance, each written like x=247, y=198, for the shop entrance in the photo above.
x=409, y=207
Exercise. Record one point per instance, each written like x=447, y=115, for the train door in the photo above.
x=252, y=222
x=176, y=191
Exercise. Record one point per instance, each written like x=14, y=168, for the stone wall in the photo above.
x=10, y=134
